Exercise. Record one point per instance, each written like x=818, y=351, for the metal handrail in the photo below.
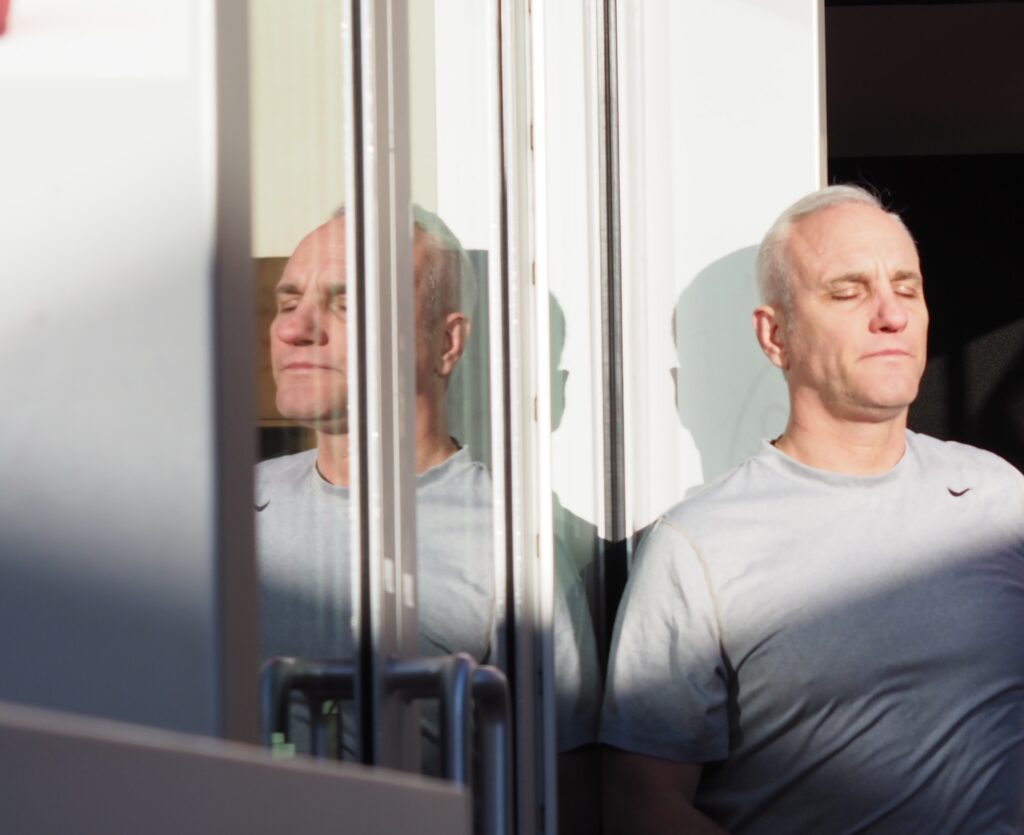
x=459, y=685
x=318, y=680
x=449, y=679
x=493, y=714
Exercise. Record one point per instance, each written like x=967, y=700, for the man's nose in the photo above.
x=890, y=314
x=303, y=325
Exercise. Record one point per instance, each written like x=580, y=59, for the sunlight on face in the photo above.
x=309, y=333
x=855, y=337
x=308, y=336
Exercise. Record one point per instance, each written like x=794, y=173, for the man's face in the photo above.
x=309, y=333
x=854, y=340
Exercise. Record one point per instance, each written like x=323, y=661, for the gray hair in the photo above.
x=773, y=265
x=451, y=279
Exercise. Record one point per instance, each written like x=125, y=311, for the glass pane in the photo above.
x=580, y=559
x=303, y=512
x=580, y=464
x=454, y=218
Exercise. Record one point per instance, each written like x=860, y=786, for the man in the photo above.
x=828, y=639
x=302, y=501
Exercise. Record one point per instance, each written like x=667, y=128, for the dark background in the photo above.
x=925, y=105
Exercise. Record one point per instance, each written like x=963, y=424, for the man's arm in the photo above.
x=650, y=796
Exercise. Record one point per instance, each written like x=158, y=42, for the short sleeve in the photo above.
x=667, y=689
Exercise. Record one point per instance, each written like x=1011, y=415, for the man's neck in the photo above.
x=845, y=446
x=433, y=447
x=433, y=443
x=332, y=457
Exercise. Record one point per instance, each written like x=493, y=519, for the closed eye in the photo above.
x=846, y=287
x=907, y=284
x=846, y=292
x=287, y=294
x=337, y=297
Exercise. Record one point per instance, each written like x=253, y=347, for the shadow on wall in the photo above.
x=727, y=394
x=580, y=552
x=581, y=558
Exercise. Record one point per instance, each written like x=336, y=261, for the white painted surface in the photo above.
x=113, y=39
x=64, y=773
x=297, y=116
x=720, y=107
x=568, y=257
x=108, y=494
x=464, y=132
x=296, y=96
x=720, y=125
x=422, y=103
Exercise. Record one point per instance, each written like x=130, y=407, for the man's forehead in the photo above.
x=842, y=237
x=321, y=254
x=327, y=240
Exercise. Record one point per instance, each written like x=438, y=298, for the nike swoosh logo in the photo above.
x=952, y=492
x=261, y=507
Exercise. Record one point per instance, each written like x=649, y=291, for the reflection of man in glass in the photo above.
x=308, y=339
x=302, y=500
x=828, y=638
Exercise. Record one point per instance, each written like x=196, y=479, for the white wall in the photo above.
x=296, y=94
x=722, y=123
x=108, y=484
x=464, y=137
x=568, y=254
x=296, y=65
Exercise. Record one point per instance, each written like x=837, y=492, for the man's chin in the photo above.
x=885, y=407
x=332, y=421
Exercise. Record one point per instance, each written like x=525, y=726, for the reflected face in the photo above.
x=855, y=337
x=309, y=333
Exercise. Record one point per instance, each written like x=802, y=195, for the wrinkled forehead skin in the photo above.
x=321, y=255
x=849, y=239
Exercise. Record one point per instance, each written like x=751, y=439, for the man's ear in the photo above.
x=768, y=327
x=455, y=336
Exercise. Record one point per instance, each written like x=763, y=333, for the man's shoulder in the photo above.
x=460, y=476
x=960, y=458
x=739, y=487
x=285, y=471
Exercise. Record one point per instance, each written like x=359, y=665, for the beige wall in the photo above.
x=297, y=139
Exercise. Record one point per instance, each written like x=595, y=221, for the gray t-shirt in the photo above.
x=307, y=577
x=843, y=653
x=307, y=574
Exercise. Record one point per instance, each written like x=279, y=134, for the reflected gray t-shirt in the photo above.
x=306, y=570
x=843, y=653
x=307, y=576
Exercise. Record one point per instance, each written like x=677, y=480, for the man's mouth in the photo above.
x=306, y=366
